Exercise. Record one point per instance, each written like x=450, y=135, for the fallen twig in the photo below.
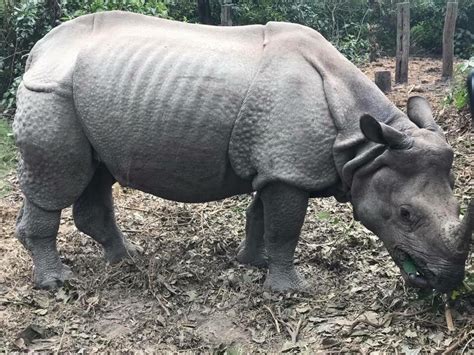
x=277, y=326
x=449, y=318
x=152, y=290
x=150, y=285
x=329, y=346
x=294, y=331
x=390, y=317
x=61, y=339
x=134, y=208
x=400, y=314
x=457, y=344
x=365, y=321
x=467, y=344
x=131, y=231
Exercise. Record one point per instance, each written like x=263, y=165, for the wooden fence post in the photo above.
x=204, y=12
x=448, y=38
x=55, y=11
x=403, y=42
x=226, y=12
x=383, y=79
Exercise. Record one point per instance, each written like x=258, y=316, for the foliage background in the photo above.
x=360, y=29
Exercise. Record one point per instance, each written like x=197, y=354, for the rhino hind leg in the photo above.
x=36, y=229
x=251, y=250
x=94, y=215
x=55, y=166
x=56, y=157
x=284, y=209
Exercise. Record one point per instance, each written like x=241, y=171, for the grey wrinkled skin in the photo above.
x=197, y=113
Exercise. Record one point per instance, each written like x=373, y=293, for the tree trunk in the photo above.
x=373, y=21
x=226, y=12
x=383, y=79
x=55, y=11
x=448, y=38
x=204, y=11
x=403, y=42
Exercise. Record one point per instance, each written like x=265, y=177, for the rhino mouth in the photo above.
x=413, y=270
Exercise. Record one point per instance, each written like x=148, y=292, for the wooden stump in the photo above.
x=383, y=79
x=448, y=38
x=403, y=42
x=226, y=12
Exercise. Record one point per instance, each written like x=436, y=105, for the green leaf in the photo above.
x=323, y=215
x=409, y=267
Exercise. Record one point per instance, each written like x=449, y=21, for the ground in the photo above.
x=187, y=292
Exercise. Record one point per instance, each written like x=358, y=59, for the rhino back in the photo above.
x=285, y=130
x=159, y=109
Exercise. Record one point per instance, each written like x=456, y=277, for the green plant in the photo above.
x=7, y=154
x=458, y=95
x=73, y=8
x=358, y=28
x=24, y=22
x=343, y=22
x=187, y=10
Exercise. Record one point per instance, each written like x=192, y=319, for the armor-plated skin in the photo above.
x=197, y=113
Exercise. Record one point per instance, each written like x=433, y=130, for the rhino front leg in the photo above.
x=251, y=250
x=37, y=229
x=94, y=215
x=284, y=209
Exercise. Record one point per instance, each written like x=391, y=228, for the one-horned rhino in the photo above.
x=196, y=113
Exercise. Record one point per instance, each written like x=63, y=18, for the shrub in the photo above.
x=458, y=95
x=25, y=22
x=187, y=11
x=343, y=22
x=358, y=28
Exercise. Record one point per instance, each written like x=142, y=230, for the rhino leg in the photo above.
x=94, y=215
x=251, y=250
x=36, y=229
x=284, y=209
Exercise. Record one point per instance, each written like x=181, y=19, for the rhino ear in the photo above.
x=381, y=133
x=419, y=112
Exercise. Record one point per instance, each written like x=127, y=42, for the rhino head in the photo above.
x=405, y=197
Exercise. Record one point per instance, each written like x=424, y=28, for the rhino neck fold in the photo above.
x=352, y=151
x=350, y=94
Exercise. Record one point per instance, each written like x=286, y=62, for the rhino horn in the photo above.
x=419, y=112
x=463, y=234
x=379, y=132
x=467, y=224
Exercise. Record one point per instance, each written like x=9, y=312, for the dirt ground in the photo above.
x=187, y=292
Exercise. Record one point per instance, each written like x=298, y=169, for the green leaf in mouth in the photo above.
x=409, y=266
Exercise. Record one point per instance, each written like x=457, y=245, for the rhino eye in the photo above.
x=405, y=214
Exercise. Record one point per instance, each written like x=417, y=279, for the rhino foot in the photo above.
x=126, y=250
x=53, y=278
x=248, y=256
x=286, y=280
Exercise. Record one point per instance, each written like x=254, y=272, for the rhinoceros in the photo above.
x=196, y=113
